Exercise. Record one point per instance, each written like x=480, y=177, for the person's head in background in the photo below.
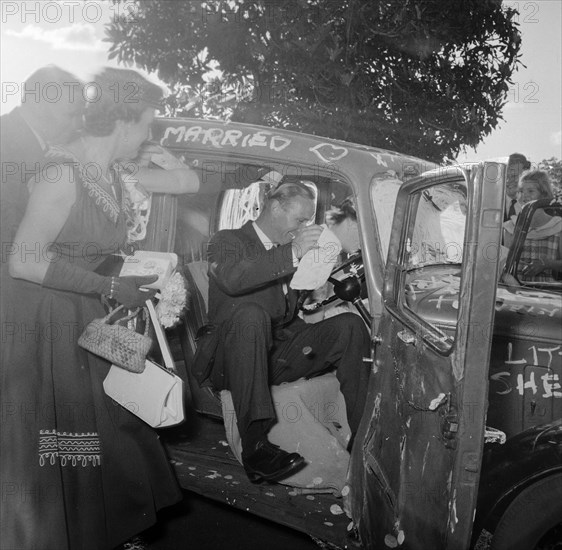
x=120, y=108
x=52, y=104
x=516, y=165
x=342, y=221
x=534, y=185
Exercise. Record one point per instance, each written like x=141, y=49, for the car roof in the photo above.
x=236, y=139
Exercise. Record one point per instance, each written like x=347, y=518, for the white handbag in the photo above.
x=154, y=395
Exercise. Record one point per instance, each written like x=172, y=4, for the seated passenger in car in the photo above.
x=342, y=221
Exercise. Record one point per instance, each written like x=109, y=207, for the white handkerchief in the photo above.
x=317, y=264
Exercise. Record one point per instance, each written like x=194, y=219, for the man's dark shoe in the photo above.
x=268, y=462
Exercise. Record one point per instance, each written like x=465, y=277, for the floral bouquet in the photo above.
x=172, y=299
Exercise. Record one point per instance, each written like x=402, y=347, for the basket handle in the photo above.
x=112, y=313
x=162, y=340
x=133, y=313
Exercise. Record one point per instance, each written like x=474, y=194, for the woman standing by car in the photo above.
x=85, y=472
x=542, y=251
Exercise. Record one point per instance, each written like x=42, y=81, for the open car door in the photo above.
x=423, y=442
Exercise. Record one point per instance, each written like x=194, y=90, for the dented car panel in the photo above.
x=423, y=439
x=526, y=358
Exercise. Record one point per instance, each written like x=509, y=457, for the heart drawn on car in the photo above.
x=328, y=152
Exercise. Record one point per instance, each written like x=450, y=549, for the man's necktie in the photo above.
x=512, y=211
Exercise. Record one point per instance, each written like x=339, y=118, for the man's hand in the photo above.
x=306, y=239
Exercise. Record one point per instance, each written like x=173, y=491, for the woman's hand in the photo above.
x=166, y=160
x=145, y=154
x=152, y=152
x=129, y=292
x=175, y=176
x=534, y=268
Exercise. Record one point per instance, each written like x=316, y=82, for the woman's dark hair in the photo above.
x=117, y=94
x=346, y=210
x=518, y=158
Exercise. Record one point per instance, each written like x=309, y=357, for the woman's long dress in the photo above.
x=77, y=470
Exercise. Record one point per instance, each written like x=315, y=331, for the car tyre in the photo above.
x=529, y=518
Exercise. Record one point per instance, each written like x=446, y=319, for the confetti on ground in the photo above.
x=293, y=493
x=214, y=475
x=317, y=481
x=345, y=491
x=350, y=526
x=227, y=477
x=223, y=443
x=270, y=494
x=191, y=468
x=390, y=541
x=336, y=509
x=310, y=497
x=328, y=524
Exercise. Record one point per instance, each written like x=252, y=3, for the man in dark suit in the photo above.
x=516, y=164
x=50, y=113
x=257, y=339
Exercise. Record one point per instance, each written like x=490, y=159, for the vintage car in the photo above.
x=461, y=439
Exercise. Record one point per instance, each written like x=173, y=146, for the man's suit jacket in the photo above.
x=241, y=271
x=21, y=157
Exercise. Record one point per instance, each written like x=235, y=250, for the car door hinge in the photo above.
x=450, y=428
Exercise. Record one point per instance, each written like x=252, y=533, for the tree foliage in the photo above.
x=554, y=168
x=426, y=77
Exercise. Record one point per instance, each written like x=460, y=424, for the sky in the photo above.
x=69, y=34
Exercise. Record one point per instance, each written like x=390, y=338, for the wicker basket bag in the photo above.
x=116, y=342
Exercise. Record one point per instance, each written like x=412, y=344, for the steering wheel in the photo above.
x=348, y=288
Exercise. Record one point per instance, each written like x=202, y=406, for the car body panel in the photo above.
x=422, y=444
x=508, y=469
x=509, y=337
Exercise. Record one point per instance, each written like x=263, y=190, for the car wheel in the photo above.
x=533, y=521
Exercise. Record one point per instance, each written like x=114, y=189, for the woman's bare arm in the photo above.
x=47, y=211
x=173, y=176
x=175, y=181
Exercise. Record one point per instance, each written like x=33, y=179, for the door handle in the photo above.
x=407, y=337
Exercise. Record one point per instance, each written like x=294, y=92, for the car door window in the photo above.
x=239, y=206
x=431, y=260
